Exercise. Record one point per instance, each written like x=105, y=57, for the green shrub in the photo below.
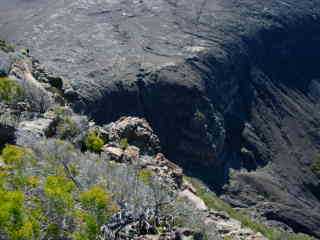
x=145, y=175
x=64, y=195
x=14, y=221
x=315, y=167
x=124, y=143
x=98, y=202
x=15, y=159
x=67, y=128
x=98, y=207
x=49, y=204
x=93, y=142
x=59, y=206
x=89, y=229
x=16, y=156
x=59, y=190
x=60, y=111
x=33, y=181
x=53, y=231
x=10, y=91
x=13, y=155
x=6, y=47
x=199, y=116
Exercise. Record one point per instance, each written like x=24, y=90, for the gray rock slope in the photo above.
x=225, y=83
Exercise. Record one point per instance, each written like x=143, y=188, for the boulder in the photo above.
x=197, y=202
x=136, y=131
x=29, y=132
x=185, y=234
x=171, y=169
x=114, y=153
x=131, y=154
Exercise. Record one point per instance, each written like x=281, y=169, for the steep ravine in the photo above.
x=258, y=111
x=284, y=115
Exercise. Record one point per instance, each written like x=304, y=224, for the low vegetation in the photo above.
x=93, y=142
x=124, y=143
x=67, y=128
x=4, y=46
x=10, y=91
x=200, y=116
x=145, y=175
x=315, y=167
x=51, y=190
x=39, y=202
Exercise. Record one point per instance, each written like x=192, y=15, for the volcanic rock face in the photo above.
x=223, y=83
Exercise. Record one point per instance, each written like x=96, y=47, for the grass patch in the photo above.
x=214, y=202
